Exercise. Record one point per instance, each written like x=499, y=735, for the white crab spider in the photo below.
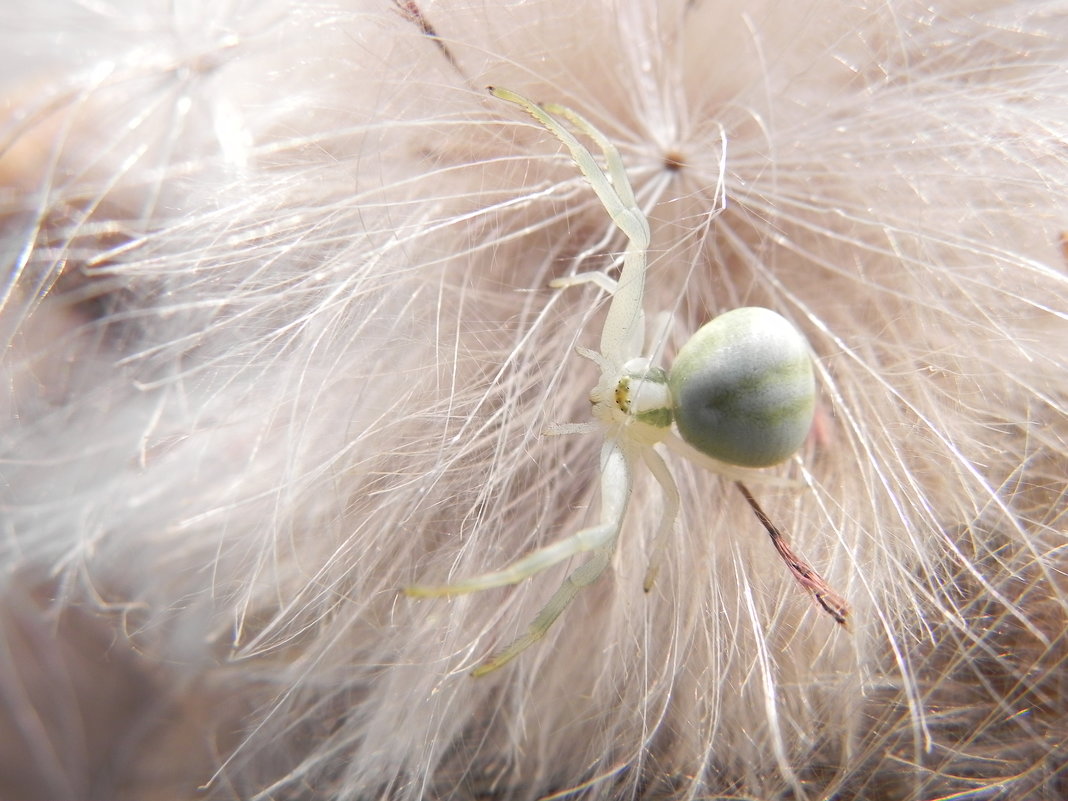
x=741, y=391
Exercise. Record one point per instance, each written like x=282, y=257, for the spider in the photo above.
x=741, y=391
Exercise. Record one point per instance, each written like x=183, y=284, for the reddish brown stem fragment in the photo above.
x=410, y=10
x=811, y=581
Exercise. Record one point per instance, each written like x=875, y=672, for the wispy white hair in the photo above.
x=280, y=343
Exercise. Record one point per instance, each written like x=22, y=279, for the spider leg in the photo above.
x=615, y=492
x=584, y=575
x=558, y=429
x=623, y=334
x=668, y=514
x=617, y=173
x=618, y=203
x=603, y=280
x=624, y=327
x=588, y=539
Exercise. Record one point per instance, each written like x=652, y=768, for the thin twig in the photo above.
x=811, y=581
x=410, y=10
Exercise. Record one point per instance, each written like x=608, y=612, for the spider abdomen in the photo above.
x=742, y=388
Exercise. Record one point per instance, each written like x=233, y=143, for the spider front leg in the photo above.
x=624, y=327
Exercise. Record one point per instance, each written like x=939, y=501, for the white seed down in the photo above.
x=742, y=388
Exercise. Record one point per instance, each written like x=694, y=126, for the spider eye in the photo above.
x=642, y=393
x=742, y=388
